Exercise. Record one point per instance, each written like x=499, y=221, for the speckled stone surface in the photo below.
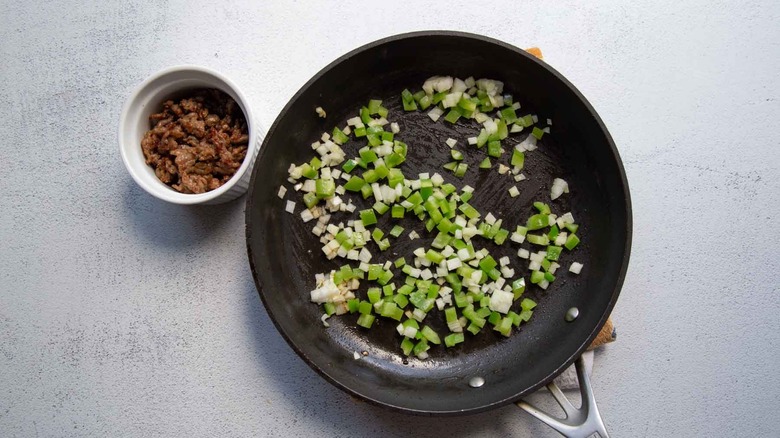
x=121, y=315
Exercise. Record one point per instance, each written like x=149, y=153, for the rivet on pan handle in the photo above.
x=579, y=423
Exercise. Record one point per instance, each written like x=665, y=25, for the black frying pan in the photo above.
x=285, y=255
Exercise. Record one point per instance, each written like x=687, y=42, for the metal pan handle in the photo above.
x=579, y=423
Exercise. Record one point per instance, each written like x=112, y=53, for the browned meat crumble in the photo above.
x=197, y=144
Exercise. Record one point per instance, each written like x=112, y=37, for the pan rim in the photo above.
x=619, y=280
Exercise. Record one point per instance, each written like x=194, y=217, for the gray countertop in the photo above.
x=109, y=327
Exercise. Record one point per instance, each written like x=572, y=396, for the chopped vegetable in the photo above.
x=558, y=188
x=571, y=242
x=518, y=159
x=455, y=273
x=367, y=217
x=460, y=170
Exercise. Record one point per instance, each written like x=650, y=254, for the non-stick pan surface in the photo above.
x=285, y=255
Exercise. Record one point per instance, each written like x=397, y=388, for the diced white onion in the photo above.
x=490, y=126
x=529, y=144
x=517, y=237
x=451, y=100
x=410, y=332
x=559, y=187
x=459, y=86
x=290, y=207
x=309, y=185
x=435, y=113
x=438, y=84
x=575, y=268
x=501, y=301
x=306, y=216
x=523, y=253
x=454, y=263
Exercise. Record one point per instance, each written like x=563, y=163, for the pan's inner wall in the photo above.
x=285, y=255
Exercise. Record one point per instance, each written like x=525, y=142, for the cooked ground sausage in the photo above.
x=197, y=144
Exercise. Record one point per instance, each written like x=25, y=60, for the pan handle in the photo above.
x=579, y=423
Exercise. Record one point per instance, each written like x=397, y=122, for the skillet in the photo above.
x=285, y=255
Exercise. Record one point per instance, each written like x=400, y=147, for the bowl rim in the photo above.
x=162, y=191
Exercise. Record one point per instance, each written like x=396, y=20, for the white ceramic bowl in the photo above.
x=148, y=98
